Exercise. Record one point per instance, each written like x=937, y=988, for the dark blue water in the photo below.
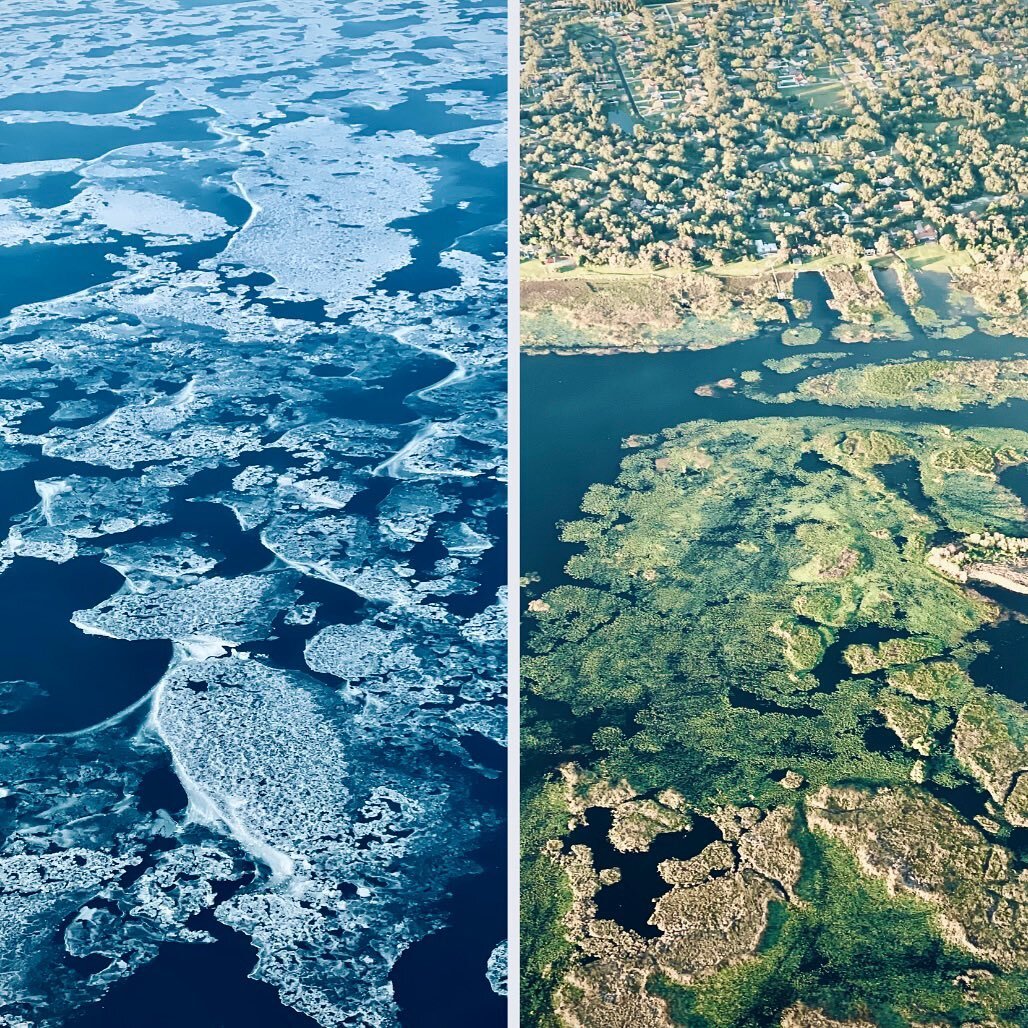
x=215, y=524
x=37, y=272
x=431, y=116
x=34, y=272
x=434, y=43
x=44, y=190
x=815, y=291
x=181, y=39
x=1002, y=667
x=387, y=400
x=51, y=141
x=439, y=229
x=85, y=678
x=1016, y=480
x=192, y=5
x=100, y=101
x=364, y=27
x=203, y=985
x=160, y=789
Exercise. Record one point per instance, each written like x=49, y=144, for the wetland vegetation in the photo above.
x=775, y=743
x=755, y=634
x=939, y=384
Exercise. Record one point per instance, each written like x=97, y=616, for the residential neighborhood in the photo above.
x=698, y=133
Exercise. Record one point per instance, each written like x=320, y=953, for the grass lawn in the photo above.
x=825, y=96
x=748, y=267
x=933, y=257
x=535, y=269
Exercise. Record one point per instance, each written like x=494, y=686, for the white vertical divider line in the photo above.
x=513, y=513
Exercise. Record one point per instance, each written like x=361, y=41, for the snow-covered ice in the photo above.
x=254, y=382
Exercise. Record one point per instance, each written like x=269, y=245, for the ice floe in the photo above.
x=230, y=609
x=254, y=401
x=496, y=969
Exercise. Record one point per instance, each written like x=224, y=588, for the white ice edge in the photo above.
x=205, y=810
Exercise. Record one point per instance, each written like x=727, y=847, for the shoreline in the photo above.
x=923, y=257
x=610, y=351
x=865, y=307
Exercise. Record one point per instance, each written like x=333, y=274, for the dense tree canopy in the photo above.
x=820, y=127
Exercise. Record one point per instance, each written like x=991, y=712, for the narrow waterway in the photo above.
x=577, y=410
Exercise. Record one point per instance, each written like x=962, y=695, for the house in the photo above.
x=925, y=233
x=764, y=248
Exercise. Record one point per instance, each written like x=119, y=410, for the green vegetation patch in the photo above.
x=718, y=646
x=801, y=335
x=545, y=952
x=851, y=950
x=687, y=310
x=929, y=384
